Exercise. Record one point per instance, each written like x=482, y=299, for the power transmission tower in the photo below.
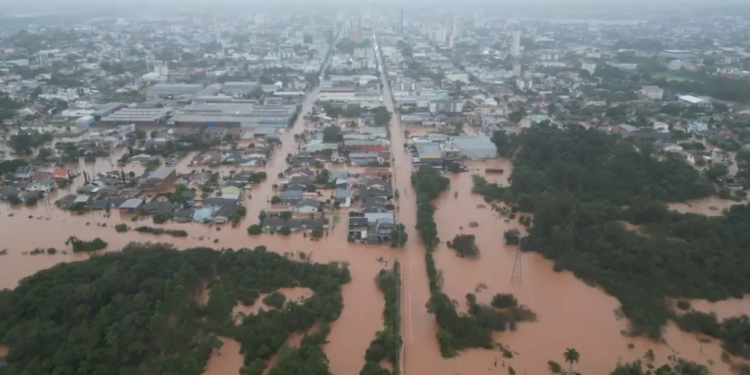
x=515, y=277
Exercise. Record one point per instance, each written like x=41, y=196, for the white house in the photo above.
x=661, y=127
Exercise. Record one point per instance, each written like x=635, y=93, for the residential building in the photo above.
x=652, y=92
x=160, y=179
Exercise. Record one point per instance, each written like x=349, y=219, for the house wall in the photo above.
x=159, y=185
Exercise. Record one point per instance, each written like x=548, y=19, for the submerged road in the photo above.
x=415, y=287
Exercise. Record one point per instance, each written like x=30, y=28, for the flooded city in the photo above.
x=332, y=186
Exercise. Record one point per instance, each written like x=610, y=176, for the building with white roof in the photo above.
x=694, y=101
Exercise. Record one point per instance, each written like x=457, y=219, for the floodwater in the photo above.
x=570, y=313
x=292, y=295
x=350, y=334
x=225, y=360
x=711, y=206
x=723, y=309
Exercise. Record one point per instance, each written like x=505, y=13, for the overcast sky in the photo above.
x=77, y=6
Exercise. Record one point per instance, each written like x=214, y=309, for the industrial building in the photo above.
x=234, y=113
x=475, y=147
x=137, y=116
x=428, y=153
x=239, y=88
x=107, y=109
x=173, y=90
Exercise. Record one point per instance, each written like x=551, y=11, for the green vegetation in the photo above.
x=254, y=230
x=456, y=331
x=465, y=245
x=512, y=237
x=734, y=332
x=275, y=299
x=683, y=305
x=387, y=342
x=85, y=246
x=670, y=76
x=571, y=356
x=399, y=236
x=504, y=301
x=121, y=228
x=554, y=367
x=579, y=183
x=160, y=231
x=25, y=142
x=679, y=367
x=346, y=45
x=134, y=312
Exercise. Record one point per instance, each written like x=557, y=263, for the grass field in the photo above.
x=671, y=76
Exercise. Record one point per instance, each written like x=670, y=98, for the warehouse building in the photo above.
x=242, y=113
x=428, y=153
x=173, y=90
x=137, y=116
x=239, y=88
x=475, y=147
x=107, y=109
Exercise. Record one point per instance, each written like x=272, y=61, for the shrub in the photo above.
x=160, y=219
x=465, y=245
x=504, y=301
x=512, y=237
x=275, y=299
x=554, y=367
x=121, y=228
x=683, y=305
x=81, y=246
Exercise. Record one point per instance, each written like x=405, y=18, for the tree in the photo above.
x=399, y=236
x=254, y=230
x=571, y=356
x=517, y=116
x=331, y=134
x=275, y=199
x=22, y=143
x=382, y=116
x=307, y=39
x=317, y=233
x=285, y=230
x=716, y=170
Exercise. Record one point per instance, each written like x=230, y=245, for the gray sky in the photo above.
x=8, y=7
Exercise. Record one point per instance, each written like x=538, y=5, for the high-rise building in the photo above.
x=458, y=27
x=515, y=48
x=401, y=25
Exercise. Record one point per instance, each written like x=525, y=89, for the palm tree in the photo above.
x=571, y=355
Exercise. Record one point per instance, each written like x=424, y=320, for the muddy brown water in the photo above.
x=570, y=313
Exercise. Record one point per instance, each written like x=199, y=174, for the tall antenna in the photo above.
x=515, y=277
